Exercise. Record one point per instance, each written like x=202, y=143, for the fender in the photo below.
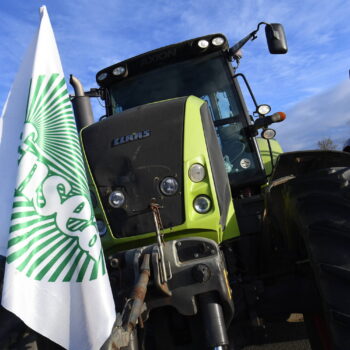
x=305, y=162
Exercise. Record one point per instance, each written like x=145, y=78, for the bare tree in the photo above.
x=327, y=144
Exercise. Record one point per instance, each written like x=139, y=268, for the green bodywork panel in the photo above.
x=265, y=153
x=195, y=224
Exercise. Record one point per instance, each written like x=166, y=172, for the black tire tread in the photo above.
x=317, y=205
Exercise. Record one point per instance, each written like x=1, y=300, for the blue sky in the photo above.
x=310, y=83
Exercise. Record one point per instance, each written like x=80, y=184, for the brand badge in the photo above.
x=140, y=135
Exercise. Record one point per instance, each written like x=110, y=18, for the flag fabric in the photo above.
x=55, y=275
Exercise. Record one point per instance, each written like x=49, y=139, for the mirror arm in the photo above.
x=235, y=48
x=251, y=36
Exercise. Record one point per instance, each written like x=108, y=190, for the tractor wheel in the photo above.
x=317, y=206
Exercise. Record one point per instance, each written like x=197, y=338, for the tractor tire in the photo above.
x=317, y=207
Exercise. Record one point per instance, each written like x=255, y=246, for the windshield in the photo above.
x=208, y=78
x=202, y=77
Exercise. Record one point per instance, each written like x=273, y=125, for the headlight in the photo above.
x=217, y=41
x=203, y=44
x=196, y=172
x=119, y=71
x=169, y=186
x=116, y=199
x=101, y=226
x=202, y=204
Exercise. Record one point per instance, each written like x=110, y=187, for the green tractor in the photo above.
x=212, y=235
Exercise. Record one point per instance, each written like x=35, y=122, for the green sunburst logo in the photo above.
x=53, y=234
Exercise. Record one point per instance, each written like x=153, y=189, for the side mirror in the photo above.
x=276, y=38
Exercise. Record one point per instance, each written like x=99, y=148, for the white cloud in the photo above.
x=324, y=115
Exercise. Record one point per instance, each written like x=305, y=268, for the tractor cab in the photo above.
x=200, y=67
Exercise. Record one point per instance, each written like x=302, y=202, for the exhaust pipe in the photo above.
x=81, y=105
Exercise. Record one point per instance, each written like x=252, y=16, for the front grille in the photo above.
x=132, y=152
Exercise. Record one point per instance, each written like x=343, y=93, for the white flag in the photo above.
x=55, y=277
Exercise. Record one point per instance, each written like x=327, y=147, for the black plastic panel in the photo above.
x=132, y=152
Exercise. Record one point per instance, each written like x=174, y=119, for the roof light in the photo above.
x=102, y=76
x=203, y=44
x=218, y=41
x=119, y=71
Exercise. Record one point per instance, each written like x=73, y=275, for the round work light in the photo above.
x=264, y=109
x=268, y=134
x=116, y=199
x=169, y=186
x=202, y=204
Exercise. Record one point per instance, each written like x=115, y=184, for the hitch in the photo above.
x=160, y=239
x=161, y=276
